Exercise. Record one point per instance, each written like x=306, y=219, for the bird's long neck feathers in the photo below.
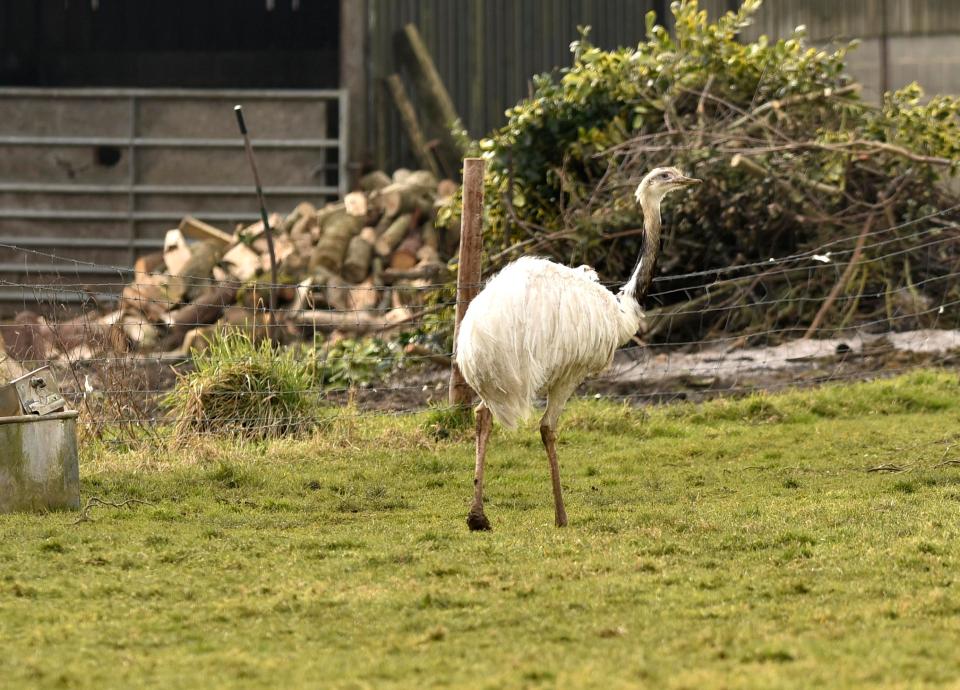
x=635, y=289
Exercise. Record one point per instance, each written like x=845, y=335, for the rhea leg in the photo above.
x=556, y=399
x=476, y=520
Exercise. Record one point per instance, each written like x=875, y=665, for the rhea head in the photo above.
x=661, y=181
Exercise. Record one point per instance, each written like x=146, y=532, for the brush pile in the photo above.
x=360, y=266
x=820, y=212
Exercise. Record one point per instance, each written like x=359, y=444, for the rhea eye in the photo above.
x=665, y=176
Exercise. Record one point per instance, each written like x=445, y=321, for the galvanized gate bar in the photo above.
x=180, y=190
x=148, y=142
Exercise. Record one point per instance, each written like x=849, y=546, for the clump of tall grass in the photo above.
x=255, y=391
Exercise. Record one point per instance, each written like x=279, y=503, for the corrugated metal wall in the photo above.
x=486, y=51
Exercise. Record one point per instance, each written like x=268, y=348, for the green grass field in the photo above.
x=736, y=544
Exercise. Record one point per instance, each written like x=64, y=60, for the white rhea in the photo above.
x=539, y=327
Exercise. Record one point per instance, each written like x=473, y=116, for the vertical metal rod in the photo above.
x=468, y=270
x=884, y=50
x=343, y=143
x=132, y=178
x=268, y=233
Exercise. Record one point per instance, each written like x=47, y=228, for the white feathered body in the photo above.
x=538, y=325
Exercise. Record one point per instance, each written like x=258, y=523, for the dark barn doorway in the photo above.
x=263, y=44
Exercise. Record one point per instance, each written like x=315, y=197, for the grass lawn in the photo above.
x=736, y=544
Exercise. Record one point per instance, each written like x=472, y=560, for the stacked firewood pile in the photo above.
x=362, y=265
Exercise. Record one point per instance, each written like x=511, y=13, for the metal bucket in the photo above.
x=38, y=463
x=38, y=446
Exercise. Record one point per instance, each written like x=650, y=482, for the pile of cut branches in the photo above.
x=849, y=199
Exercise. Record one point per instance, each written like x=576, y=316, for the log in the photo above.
x=282, y=247
x=337, y=293
x=147, y=264
x=198, y=230
x=303, y=226
x=176, y=253
x=363, y=297
x=304, y=296
x=147, y=296
x=196, y=340
x=254, y=230
x=431, y=237
x=374, y=181
x=142, y=334
x=393, y=235
x=303, y=211
x=353, y=322
x=408, y=116
x=376, y=270
x=435, y=95
x=356, y=265
x=450, y=238
x=405, y=255
x=408, y=293
x=325, y=213
x=173, y=239
x=254, y=324
x=241, y=262
x=91, y=330
x=382, y=225
x=198, y=271
x=436, y=99
x=338, y=230
x=355, y=204
x=297, y=261
x=426, y=180
x=428, y=255
x=330, y=287
x=398, y=199
x=9, y=367
x=446, y=188
x=433, y=272
x=28, y=338
x=205, y=309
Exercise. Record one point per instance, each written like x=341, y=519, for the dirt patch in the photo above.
x=639, y=375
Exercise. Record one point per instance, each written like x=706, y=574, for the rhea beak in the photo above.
x=688, y=181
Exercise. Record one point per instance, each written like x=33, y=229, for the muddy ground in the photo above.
x=640, y=375
x=643, y=375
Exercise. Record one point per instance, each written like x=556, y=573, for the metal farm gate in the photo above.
x=92, y=178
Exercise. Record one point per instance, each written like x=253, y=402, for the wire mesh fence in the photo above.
x=386, y=348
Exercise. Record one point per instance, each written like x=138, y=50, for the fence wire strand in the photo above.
x=127, y=386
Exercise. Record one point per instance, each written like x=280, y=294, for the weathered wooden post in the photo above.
x=468, y=272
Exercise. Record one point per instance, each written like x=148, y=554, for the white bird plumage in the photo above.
x=537, y=325
x=540, y=327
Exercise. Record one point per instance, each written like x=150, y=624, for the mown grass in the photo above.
x=736, y=544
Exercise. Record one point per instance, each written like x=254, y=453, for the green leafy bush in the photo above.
x=356, y=362
x=791, y=157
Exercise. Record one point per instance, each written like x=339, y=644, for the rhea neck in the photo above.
x=635, y=289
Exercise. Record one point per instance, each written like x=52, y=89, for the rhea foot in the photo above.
x=477, y=521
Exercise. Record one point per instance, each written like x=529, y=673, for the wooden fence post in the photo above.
x=468, y=271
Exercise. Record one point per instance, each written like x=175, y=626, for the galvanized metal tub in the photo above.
x=39, y=469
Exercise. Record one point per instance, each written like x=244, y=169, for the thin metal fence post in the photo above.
x=468, y=271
